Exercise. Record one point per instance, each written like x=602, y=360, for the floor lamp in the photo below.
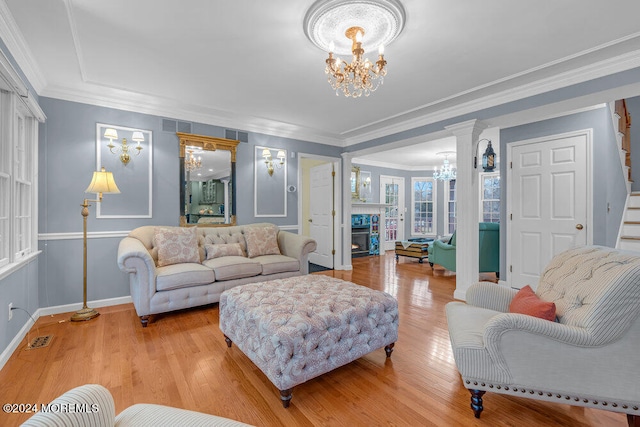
x=102, y=182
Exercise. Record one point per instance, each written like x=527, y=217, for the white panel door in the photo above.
x=549, y=201
x=320, y=211
x=392, y=193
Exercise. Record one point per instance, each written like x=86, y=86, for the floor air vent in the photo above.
x=39, y=342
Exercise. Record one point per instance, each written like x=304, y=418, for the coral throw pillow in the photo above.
x=177, y=245
x=527, y=302
x=223, y=249
x=261, y=241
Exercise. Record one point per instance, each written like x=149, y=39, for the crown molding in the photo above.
x=130, y=101
x=15, y=42
x=388, y=165
x=443, y=109
x=121, y=99
x=431, y=113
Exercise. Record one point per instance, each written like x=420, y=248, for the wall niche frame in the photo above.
x=269, y=191
x=135, y=179
x=207, y=143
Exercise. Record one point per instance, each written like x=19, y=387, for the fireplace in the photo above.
x=367, y=225
x=360, y=240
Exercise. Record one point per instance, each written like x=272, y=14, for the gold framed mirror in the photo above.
x=207, y=180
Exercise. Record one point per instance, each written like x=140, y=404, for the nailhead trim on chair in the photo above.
x=549, y=394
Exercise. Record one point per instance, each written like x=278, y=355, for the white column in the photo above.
x=227, y=208
x=467, y=213
x=346, y=211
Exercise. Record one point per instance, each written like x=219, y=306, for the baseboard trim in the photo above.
x=47, y=311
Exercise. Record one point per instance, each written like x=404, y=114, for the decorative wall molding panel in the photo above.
x=134, y=179
x=269, y=191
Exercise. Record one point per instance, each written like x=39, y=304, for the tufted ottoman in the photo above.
x=298, y=328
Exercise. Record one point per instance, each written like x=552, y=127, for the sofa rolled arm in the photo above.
x=296, y=246
x=502, y=323
x=132, y=247
x=441, y=245
x=135, y=259
x=490, y=295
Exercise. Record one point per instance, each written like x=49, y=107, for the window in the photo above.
x=18, y=154
x=5, y=183
x=423, y=206
x=490, y=197
x=450, y=207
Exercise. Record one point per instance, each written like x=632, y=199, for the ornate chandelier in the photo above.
x=326, y=24
x=360, y=76
x=191, y=163
x=446, y=172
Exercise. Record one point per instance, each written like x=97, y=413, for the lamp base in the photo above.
x=84, y=314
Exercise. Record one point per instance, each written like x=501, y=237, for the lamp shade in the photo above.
x=137, y=136
x=102, y=182
x=281, y=154
x=266, y=153
x=111, y=133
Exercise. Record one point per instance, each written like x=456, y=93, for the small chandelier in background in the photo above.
x=191, y=163
x=446, y=173
x=123, y=149
x=326, y=24
x=268, y=160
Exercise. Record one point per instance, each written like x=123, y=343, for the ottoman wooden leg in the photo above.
x=389, y=349
x=228, y=341
x=285, y=396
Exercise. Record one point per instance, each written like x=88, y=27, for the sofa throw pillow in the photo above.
x=223, y=249
x=527, y=302
x=261, y=241
x=177, y=245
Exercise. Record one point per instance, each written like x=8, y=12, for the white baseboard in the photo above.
x=15, y=342
x=47, y=311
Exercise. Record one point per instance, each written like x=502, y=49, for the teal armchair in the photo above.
x=444, y=254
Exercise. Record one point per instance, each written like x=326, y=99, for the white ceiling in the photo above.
x=248, y=65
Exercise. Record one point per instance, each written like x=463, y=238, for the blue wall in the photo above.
x=67, y=160
x=608, y=183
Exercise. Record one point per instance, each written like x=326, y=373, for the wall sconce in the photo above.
x=123, y=150
x=268, y=160
x=488, y=157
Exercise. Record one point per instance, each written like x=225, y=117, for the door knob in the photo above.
x=579, y=227
x=310, y=220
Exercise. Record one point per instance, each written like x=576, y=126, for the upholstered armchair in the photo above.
x=587, y=357
x=444, y=253
x=92, y=405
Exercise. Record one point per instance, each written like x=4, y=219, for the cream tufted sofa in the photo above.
x=91, y=405
x=589, y=357
x=158, y=289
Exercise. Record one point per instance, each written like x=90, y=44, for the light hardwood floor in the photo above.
x=182, y=360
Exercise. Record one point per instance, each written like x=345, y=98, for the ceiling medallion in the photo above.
x=342, y=27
